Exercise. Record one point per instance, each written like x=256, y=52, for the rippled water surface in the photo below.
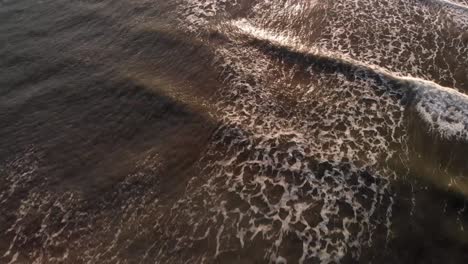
x=216, y=131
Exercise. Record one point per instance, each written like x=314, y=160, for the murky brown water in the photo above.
x=193, y=131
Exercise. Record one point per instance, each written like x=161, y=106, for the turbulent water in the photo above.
x=216, y=131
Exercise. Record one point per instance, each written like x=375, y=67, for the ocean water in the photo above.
x=216, y=131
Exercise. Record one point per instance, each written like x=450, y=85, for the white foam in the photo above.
x=444, y=109
x=198, y=12
x=410, y=37
x=254, y=123
x=238, y=58
x=451, y=4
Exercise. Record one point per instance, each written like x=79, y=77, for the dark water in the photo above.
x=213, y=131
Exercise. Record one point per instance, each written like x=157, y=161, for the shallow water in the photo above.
x=214, y=131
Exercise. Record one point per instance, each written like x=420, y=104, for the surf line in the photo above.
x=444, y=109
